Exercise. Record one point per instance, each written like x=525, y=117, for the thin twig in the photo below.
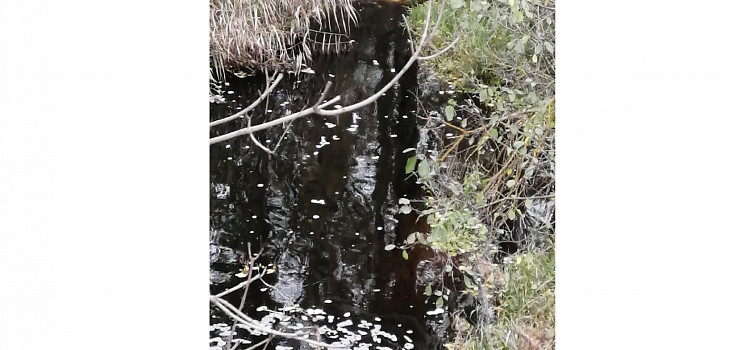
x=253, y=105
x=516, y=198
x=260, y=145
x=393, y=81
x=246, y=320
x=317, y=108
x=263, y=126
x=408, y=30
x=425, y=58
x=247, y=287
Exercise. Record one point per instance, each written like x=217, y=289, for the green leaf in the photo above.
x=482, y=95
x=517, y=144
x=410, y=163
x=428, y=290
x=511, y=214
x=455, y=4
x=467, y=281
x=424, y=169
x=482, y=140
x=549, y=47
x=527, y=203
x=511, y=183
x=534, y=58
x=405, y=255
x=449, y=112
x=493, y=133
x=390, y=247
x=411, y=238
x=403, y=201
x=439, y=302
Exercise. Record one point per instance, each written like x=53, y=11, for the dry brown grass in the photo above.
x=276, y=33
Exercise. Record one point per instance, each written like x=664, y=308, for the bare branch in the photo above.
x=425, y=58
x=257, y=143
x=239, y=286
x=393, y=81
x=251, y=129
x=437, y=21
x=247, y=285
x=408, y=30
x=253, y=105
x=317, y=108
x=244, y=319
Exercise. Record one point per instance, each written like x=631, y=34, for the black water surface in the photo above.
x=325, y=206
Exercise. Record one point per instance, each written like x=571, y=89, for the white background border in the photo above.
x=104, y=180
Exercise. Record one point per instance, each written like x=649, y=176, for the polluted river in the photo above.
x=324, y=206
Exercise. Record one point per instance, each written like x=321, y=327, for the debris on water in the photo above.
x=436, y=311
x=346, y=323
x=318, y=201
x=316, y=217
x=375, y=62
x=307, y=70
x=260, y=185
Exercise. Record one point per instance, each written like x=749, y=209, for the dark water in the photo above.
x=325, y=206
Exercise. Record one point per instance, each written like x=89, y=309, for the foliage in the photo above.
x=507, y=43
x=495, y=171
x=525, y=310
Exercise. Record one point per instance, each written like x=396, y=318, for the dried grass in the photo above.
x=277, y=34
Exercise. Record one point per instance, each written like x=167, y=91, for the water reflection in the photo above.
x=324, y=206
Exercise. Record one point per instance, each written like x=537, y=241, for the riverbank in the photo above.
x=275, y=34
x=492, y=183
